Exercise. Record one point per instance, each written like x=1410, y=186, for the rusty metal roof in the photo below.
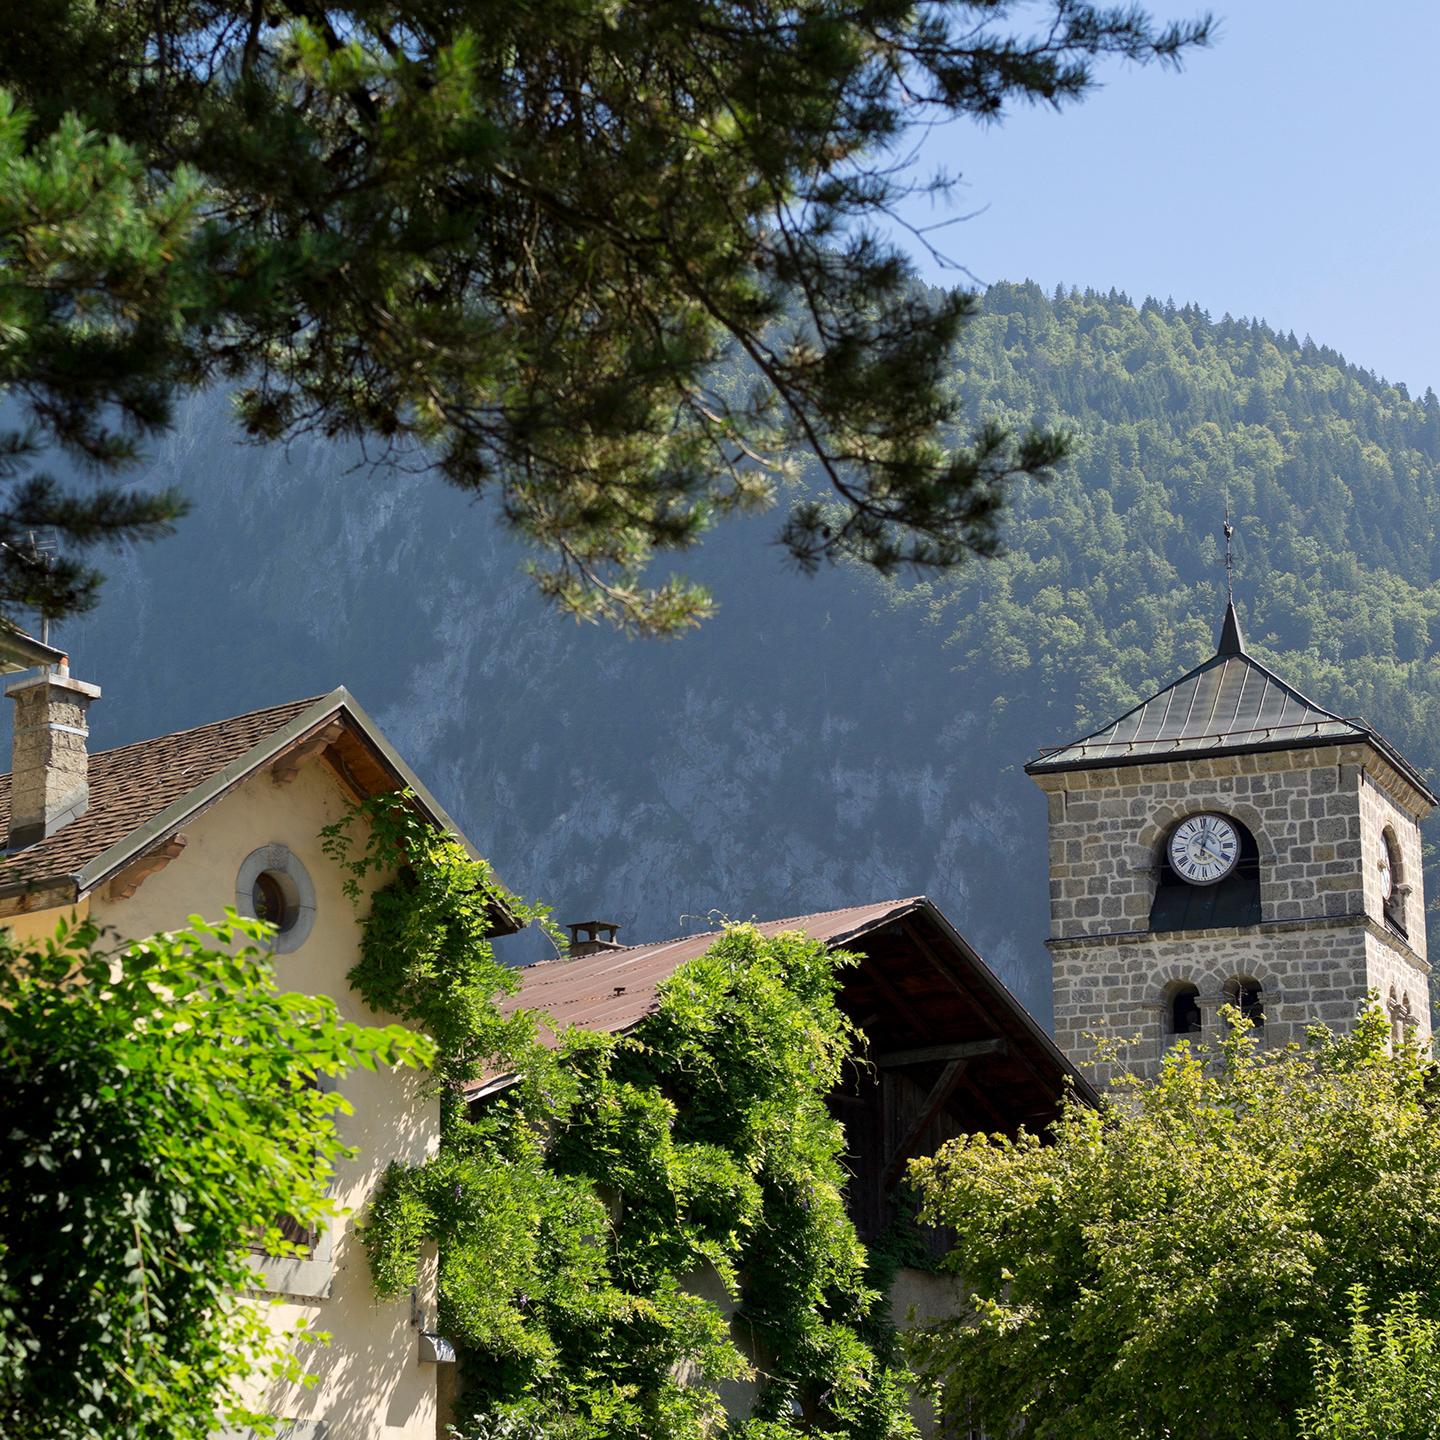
x=1230, y=703
x=614, y=990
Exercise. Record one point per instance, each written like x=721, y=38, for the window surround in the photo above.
x=302, y=1277
x=280, y=861
x=306, y=1277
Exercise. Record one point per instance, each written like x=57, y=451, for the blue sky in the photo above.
x=1289, y=172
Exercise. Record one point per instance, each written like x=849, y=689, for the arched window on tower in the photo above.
x=1184, y=904
x=1182, y=1010
x=1392, y=882
x=1247, y=997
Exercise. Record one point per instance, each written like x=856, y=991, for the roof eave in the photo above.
x=1035, y=1032
x=1363, y=735
x=134, y=844
x=1047, y=766
x=20, y=652
x=339, y=701
x=919, y=905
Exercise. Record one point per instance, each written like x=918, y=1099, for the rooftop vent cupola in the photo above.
x=50, y=766
x=588, y=936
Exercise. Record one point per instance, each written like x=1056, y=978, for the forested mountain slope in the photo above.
x=831, y=740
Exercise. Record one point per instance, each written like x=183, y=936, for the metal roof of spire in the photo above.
x=1232, y=642
x=1232, y=703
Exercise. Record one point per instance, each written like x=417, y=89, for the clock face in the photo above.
x=1204, y=849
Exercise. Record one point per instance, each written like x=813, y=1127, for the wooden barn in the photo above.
x=951, y=1051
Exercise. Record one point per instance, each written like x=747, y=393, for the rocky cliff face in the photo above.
x=805, y=750
x=829, y=741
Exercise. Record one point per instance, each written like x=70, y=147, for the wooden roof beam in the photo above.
x=968, y=992
x=934, y=1103
x=288, y=763
x=972, y=1091
x=962, y=1050
x=876, y=975
x=133, y=876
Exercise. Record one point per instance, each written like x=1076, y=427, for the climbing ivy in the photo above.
x=425, y=951
x=628, y=1221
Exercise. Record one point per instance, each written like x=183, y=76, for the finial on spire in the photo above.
x=1231, y=640
x=1229, y=554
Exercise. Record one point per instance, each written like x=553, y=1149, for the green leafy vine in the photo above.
x=628, y=1222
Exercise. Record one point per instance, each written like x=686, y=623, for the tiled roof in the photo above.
x=132, y=784
x=1230, y=703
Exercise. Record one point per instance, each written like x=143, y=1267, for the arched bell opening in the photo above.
x=1248, y=997
x=1182, y=1016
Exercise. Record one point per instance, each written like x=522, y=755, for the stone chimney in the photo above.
x=50, y=767
x=588, y=936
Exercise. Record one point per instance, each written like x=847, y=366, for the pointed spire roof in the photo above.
x=1232, y=642
x=1230, y=704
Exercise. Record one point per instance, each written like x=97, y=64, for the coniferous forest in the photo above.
x=839, y=739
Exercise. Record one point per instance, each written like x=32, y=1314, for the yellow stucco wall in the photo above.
x=371, y=1385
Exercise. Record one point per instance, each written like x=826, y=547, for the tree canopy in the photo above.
x=1168, y=1263
x=518, y=242
x=162, y=1112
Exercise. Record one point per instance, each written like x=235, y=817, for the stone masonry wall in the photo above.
x=1118, y=988
x=49, y=767
x=1318, y=817
x=1381, y=809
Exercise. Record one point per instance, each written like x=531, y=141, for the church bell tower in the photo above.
x=1230, y=841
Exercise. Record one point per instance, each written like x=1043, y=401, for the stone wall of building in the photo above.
x=1118, y=988
x=1318, y=817
x=1387, y=805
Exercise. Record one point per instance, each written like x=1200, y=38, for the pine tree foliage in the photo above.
x=93, y=305
x=611, y=265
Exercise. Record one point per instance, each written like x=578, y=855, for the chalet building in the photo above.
x=950, y=1049
x=141, y=837
x=950, y=1052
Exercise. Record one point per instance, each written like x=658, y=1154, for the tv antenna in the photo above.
x=41, y=554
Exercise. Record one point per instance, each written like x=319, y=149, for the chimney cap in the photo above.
x=588, y=936
x=61, y=680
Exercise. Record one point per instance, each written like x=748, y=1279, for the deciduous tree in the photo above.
x=160, y=1114
x=1164, y=1265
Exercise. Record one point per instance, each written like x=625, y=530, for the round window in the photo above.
x=274, y=886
